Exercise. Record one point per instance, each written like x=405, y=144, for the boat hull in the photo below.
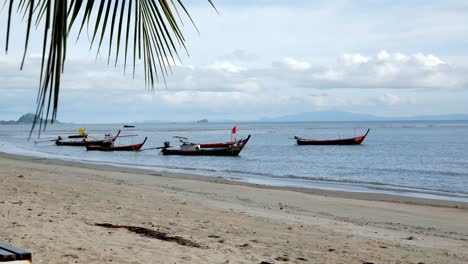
x=217, y=145
x=344, y=141
x=229, y=151
x=86, y=141
x=134, y=147
x=232, y=150
x=83, y=143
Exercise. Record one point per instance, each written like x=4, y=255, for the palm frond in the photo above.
x=157, y=37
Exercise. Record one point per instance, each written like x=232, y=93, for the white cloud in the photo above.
x=401, y=57
x=328, y=75
x=383, y=55
x=354, y=59
x=296, y=65
x=226, y=66
x=285, y=86
x=391, y=99
x=384, y=70
x=428, y=60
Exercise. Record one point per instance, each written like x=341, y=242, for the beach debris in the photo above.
x=282, y=258
x=367, y=262
x=411, y=238
x=70, y=256
x=214, y=236
x=20, y=176
x=266, y=262
x=153, y=234
x=302, y=259
x=244, y=245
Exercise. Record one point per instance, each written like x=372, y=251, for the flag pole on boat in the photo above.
x=234, y=132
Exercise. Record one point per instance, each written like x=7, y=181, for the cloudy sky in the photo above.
x=270, y=58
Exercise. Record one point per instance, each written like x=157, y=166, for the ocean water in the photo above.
x=421, y=159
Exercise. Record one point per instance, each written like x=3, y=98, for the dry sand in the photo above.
x=52, y=207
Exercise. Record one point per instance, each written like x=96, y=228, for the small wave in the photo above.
x=428, y=172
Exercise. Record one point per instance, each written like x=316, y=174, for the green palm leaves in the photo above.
x=145, y=30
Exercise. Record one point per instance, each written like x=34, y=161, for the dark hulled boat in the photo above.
x=222, y=144
x=133, y=147
x=109, y=141
x=340, y=141
x=196, y=150
x=78, y=136
x=81, y=134
x=217, y=145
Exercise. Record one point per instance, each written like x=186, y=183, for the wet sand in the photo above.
x=65, y=212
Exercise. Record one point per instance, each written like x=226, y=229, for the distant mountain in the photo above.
x=452, y=117
x=340, y=116
x=24, y=119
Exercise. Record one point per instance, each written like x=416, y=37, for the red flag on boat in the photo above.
x=234, y=129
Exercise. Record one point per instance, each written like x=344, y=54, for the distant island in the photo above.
x=24, y=119
x=202, y=121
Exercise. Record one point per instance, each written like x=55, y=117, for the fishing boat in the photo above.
x=189, y=149
x=340, y=141
x=128, y=126
x=133, y=147
x=81, y=134
x=78, y=136
x=218, y=145
x=107, y=141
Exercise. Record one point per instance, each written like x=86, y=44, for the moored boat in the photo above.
x=108, y=141
x=340, y=141
x=196, y=150
x=78, y=136
x=81, y=134
x=217, y=145
x=133, y=147
x=222, y=144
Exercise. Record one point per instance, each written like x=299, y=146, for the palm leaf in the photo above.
x=157, y=37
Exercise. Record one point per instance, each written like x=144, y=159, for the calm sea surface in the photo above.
x=422, y=159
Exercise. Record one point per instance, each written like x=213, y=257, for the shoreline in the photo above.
x=68, y=212
x=368, y=196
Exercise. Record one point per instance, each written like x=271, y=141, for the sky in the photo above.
x=263, y=58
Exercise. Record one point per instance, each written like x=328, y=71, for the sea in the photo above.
x=427, y=159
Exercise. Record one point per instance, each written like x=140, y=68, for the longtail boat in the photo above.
x=340, y=141
x=210, y=145
x=133, y=147
x=216, y=145
x=108, y=141
x=196, y=150
x=81, y=134
x=78, y=136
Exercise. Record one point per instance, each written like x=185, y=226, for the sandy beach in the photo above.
x=65, y=212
